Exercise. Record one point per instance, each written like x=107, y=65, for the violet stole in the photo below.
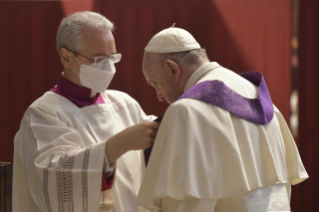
x=259, y=110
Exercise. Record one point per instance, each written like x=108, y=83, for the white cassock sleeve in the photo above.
x=107, y=168
x=62, y=172
x=203, y=153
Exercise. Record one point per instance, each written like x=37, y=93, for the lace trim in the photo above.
x=46, y=181
x=85, y=178
x=45, y=188
x=64, y=181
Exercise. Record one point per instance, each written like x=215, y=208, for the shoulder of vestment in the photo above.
x=118, y=96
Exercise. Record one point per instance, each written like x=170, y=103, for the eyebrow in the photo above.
x=102, y=54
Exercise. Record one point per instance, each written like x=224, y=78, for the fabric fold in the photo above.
x=203, y=151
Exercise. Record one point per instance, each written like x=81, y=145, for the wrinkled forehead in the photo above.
x=151, y=62
x=146, y=65
x=146, y=59
x=147, y=69
x=98, y=42
x=150, y=70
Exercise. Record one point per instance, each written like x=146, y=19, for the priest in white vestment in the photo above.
x=77, y=149
x=222, y=145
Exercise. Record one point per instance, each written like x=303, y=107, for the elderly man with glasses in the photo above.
x=75, y=140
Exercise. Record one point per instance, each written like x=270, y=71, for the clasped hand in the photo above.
x=140, y=136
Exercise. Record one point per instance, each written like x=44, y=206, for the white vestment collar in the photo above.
x=199, y=73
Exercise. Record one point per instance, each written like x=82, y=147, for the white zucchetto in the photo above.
x=172, y=40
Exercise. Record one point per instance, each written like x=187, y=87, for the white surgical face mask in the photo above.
x=98, y=76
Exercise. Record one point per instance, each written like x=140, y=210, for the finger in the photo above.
x=150, y=144
x=154, y=125
x=152, y=140
x=152, y=132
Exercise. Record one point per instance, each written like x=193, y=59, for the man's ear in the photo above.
x=65, y=57
x=173, y=69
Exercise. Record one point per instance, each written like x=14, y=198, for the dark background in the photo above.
x=245, y=35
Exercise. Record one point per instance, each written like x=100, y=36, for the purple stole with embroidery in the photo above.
x=259, y=110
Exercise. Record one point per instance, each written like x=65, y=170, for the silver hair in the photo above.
x=186, y=59
x=69, y=32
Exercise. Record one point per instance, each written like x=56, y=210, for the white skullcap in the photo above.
x=172, y=40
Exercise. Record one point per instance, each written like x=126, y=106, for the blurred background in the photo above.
x=279, y=38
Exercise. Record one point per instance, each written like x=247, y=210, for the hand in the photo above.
x=140, y=136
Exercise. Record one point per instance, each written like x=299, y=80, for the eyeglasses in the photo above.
x=114, y=57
